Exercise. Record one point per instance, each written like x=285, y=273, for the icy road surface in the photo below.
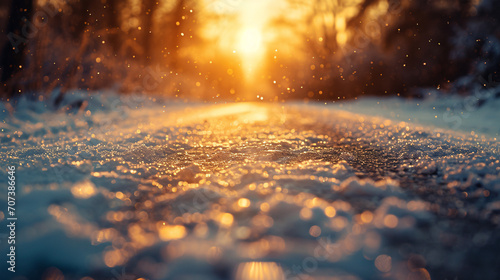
x=250, y=192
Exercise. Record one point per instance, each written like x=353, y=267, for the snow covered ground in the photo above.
x=133, y=187
x=448, y=112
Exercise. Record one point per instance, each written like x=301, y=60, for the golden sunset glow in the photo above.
x=260, y=271
x=250, y=48
x=250, y=41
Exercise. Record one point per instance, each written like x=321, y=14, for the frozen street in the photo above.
x=249, y=191
x=249, y=140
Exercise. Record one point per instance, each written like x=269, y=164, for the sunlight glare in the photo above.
x=260, y=271
x=250, y=41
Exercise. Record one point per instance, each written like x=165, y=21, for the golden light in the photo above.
x=260, y=271
x=171, y=232
x=306, y=214
x=243, y=202
x=85, y=189
x=330, y=212
x=226, y=219
x=244, y=112
x=249, y=41
x=249, y=46
x=264, y=207
x=390, y=221
x=366, y=217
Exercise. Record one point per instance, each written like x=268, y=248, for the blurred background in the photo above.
x=249, y=50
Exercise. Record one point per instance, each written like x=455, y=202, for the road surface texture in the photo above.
x=249, y=191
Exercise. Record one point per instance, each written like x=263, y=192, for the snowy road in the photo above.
x=250, y=191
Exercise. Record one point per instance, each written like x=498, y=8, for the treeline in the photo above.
x=130, y=46
x=320, y=49
x=387, y=47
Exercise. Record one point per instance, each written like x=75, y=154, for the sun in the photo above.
x=249, y=41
